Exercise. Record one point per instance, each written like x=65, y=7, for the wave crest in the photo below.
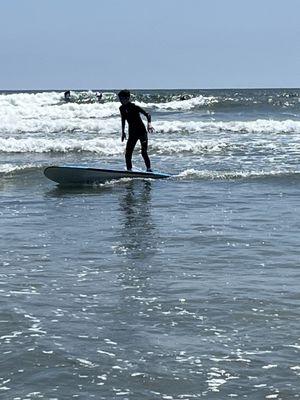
x=192, y=174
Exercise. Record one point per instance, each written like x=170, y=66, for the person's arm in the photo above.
x=148, y=116
x=123, y=119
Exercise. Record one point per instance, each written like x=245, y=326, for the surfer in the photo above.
x=99, y=96
x=136, y=129
x=67, y=95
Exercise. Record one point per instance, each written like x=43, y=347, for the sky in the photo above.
x=150, y=44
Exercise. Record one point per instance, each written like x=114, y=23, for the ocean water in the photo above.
x=175, y=289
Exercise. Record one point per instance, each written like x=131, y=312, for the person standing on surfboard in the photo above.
x=136, y=129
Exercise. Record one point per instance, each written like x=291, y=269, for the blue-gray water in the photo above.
x=185, y=288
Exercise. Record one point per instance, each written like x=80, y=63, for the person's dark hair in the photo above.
x=124, y=94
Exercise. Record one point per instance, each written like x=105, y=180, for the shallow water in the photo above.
x=174, y=289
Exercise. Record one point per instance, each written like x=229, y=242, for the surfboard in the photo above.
x=77, y=175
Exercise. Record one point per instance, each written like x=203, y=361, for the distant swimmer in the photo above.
x=99, y=96
x=183, y=97
x=136, y=129
x=67, y=95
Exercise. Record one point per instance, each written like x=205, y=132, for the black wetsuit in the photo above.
x=136, y=131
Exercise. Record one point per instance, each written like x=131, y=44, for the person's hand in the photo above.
x=150, y=128
x=123, y=136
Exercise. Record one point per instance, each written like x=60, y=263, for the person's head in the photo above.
x=67, y=95
x=124, y=96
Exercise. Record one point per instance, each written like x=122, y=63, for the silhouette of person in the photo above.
x=67, y=95
x=136, y=129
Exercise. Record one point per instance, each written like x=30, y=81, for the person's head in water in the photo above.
x=124, y=96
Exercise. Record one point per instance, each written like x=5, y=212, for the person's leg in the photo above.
x=131, y=142
x=144, y=151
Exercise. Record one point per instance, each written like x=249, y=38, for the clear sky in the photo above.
x=101, y=44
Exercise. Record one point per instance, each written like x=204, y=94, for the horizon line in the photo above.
x=174, y=88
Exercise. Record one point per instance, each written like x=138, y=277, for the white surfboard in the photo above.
x=74, y=175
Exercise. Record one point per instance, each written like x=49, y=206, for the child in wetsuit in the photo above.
x=136, y=129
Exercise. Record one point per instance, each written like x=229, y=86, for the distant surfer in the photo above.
x=67, y=96
x=99, y=96
x=136, y=129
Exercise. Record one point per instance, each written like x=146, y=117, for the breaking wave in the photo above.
x=192, y=174
x=112, y=125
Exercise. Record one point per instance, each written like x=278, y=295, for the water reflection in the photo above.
x=138, y=236
x=138, y=244
x=69, y=191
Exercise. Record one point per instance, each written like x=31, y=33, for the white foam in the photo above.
x=8, y=168
x=184, y=105
x=42, y=112
x=189, y=145
x=46, y=113
x=103, y=146
x=257, y=126
x=64, y=125
x=207, y=174
x=111, y=145
x=69, y=122
x=86, y=363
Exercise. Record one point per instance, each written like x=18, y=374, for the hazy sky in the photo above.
x=101, y=44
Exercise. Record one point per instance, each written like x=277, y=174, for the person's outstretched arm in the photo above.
x=148, y=116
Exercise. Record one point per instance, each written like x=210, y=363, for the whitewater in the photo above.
x=176, y=289
x=186, y=124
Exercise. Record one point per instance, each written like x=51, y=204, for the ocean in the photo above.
x=175, y=289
